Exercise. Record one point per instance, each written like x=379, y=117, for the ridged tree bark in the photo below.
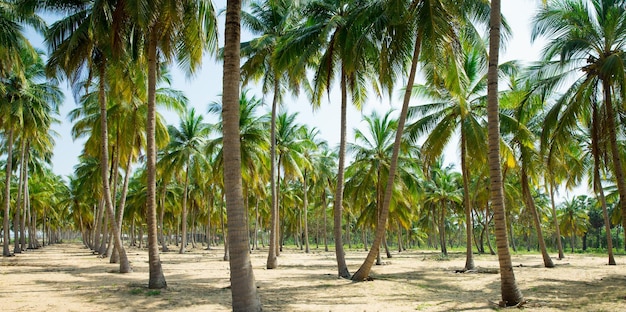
x=340, y=255
x=511, y=295
x=272, y=261
x=243, y=285
x=7, y=192
x=156, y=277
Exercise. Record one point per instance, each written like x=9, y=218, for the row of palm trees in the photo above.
x=536, y=133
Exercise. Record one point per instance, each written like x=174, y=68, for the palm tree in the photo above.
x=525, y=129
x=243, y=285
x=181, y=29
x=183, y=152
x=588, y=37
x=574, y=218
x=271, y=20
x=85, y=41
x=413, y=24
x=460, y=95
x=14, y=14
x=335, y=35
x=511, y=295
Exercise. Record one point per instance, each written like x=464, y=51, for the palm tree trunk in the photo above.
x=324, y=205
x=162, y=215
x=121, y=207
x=511, y=295
x=18, y=204
x=530, y=203
x=272, y=261
x=104, y=168
x=7, y=193
x=305, y=211
x=597, y=182
x=243, y=285
x=556, y=223
x=183, y=243
x=156, y=279
x=342, y=268
x=26, y=198
x=615, y=152
x=469, y=224
x=364, y=271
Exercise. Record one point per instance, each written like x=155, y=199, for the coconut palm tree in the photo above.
x=573, y=217
x=523, y=127
x=414, y=24
x=335, y=36
x=243, y=285
x=183, y=151
x=511, y=295
x=270, y=20
x=84, y=43
x=587, y=40
x=171, y=29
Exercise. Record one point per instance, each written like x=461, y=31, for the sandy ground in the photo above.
x=68, y=277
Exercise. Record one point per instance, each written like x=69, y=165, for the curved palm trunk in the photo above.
x=556, y=223
x=364, y=271
x=530, y=203
x=243, y=285
x=469, y=224
x=338, y=205
x=597, y=183
x=121, y=207
x=156, y=277
x=7, y=194
x=272, y=261
x=615, y=152
x=104, y=168
x=511, y=295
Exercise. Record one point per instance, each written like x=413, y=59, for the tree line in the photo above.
x=257, y=177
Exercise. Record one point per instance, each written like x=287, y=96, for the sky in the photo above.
x=205, y=87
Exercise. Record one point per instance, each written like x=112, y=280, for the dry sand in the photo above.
x=68, y=277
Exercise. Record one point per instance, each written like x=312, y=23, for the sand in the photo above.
x=68, y=277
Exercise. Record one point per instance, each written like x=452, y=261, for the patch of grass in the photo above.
x=442, y=257
x=136, y=291
x=153, y=293
x=422, y=306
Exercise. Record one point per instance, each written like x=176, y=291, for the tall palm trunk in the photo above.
x=7, y=193
x=243, y=285
x=597, y=182
x=104, y=168
x=469, y=224
x=556, y=222
x=184, y=215
x=511, y=295
x=530, y=203
x=156, y=279
x=18, y=204
x=615, y=151
x=338, y=205
x=324, y=205
x=160, y=220
x=26, y=198
x=272, y=261
x=306, y=222
x=364, y=271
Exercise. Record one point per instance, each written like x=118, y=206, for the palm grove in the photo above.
x=557, y=122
